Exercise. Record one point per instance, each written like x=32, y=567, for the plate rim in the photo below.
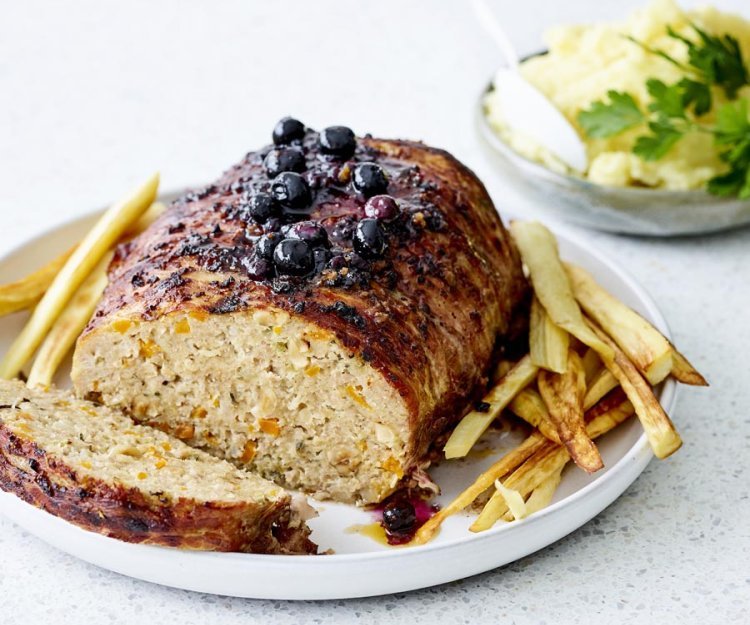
x=639, y=452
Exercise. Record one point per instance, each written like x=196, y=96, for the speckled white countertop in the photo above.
x=94, y=95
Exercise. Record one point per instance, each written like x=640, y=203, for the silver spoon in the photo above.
x=525, y=108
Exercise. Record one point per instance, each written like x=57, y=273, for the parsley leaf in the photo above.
x=697, y=94
x=666, y=101
x=735, y=183
x=733, y=131
x=655, y=145
x=732, y=124
x=718, y=59
x=607, y=119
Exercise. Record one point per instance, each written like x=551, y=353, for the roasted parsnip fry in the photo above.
x=544, y=463
x=509, y=462
x=69, y=325
x=539, y=252
x=501, y=370
x=563, y=395
x=659, y=429
x=474, y=424
x=684, y=372
x=542, y=495
x=529, y=406
x=592, y=365
x=27, y=291
x=603, y=383
x=512, y=499
x=150, y=216
x=82, y=261
x=643, y=344
x=548, y=343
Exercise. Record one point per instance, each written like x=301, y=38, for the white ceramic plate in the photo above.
x=360, y=567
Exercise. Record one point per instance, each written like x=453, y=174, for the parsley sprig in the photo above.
x=675, y=110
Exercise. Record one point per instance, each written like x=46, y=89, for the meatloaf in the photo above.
x=94, y=467
x=319, y=314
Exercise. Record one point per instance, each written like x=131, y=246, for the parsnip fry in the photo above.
x=69, y=325
x=545, y=463
x=592, y=365
x=539, y=252
x=563, y=394
x=509, y=462
x=474, y=424
x=684, y=372
x=86, y=256
x=602, y=384
x=150, y=216
x=548, y=343
x=513, y=500
x=659, y=429
x=501, y=370
x=27, y=291
x=542, y=495
x=529, y=406
x=643, y=344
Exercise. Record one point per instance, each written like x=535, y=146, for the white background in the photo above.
x=95, y=95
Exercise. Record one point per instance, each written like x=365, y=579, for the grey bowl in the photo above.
x=650, y=212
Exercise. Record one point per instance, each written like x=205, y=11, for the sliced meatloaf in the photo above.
x=319, y=314
x=94, y=467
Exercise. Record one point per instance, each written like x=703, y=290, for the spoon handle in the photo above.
x=491, y=25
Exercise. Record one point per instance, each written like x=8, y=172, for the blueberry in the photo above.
x=293, y=257
x=309, y=231
x=272, y=225
x=382, y=207
x=369, y=240
x=291, y=190
x=399, y=517
x=337, y=141
x=266, y=244
x=369, y=179
x=321, y=256
x=284, y=159
x=287, y=130
x=261, y=207
x=257, y=268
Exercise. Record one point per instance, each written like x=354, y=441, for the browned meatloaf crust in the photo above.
x=418, y=321
x=95, y=468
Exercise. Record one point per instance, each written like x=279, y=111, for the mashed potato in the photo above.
x=586, y=61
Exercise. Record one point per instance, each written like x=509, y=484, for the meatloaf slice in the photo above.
x=320, y=326
x=94, y=467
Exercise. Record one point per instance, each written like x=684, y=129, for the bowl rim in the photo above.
x=523, y=162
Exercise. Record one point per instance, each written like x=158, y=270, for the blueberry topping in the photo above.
x=266, y=244
x=293, y=257
x=337, y=141
x=291, y=190
x=272, y=225
x=369, y=239
x=369, y=179
x=284, y=159
x=309, y=231
x=382, y=207
x=257, y=268
x=261, y=207
x=287, y=130
x=321, y=256
x=399, y=516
